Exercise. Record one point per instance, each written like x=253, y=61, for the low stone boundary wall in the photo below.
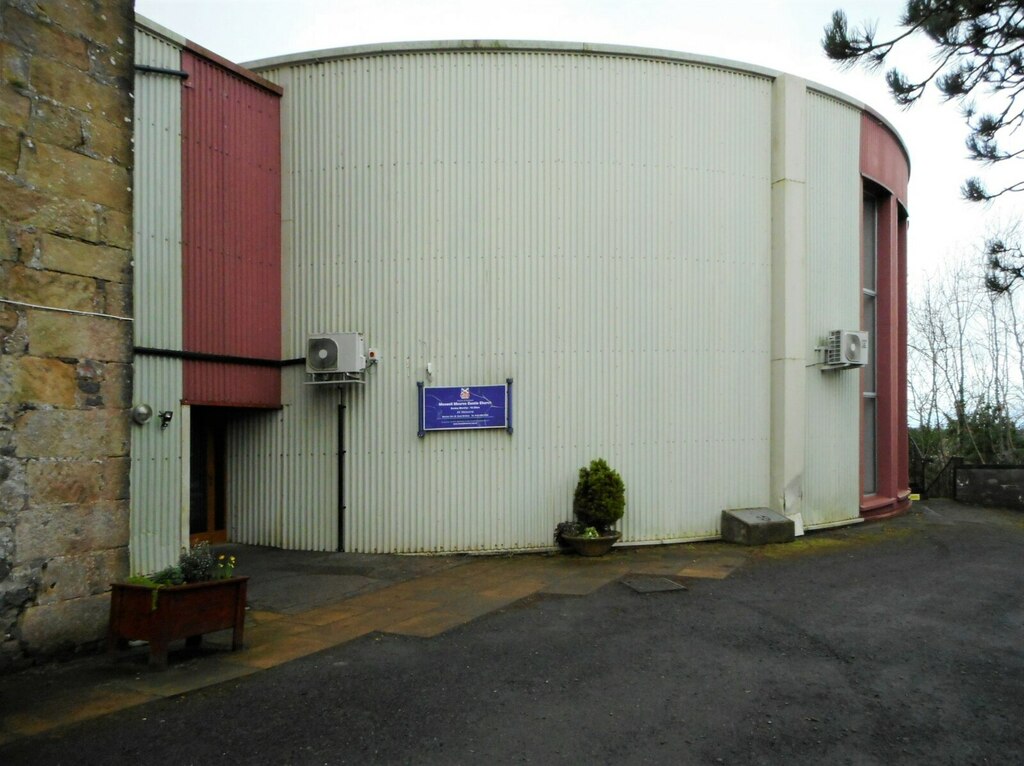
x=991, y=486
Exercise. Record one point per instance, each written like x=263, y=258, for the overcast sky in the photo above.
x=783, y=35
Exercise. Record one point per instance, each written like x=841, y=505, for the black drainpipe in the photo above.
x=341, y=474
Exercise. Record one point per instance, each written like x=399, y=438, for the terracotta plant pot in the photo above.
x=162, y=615
x=592, y=546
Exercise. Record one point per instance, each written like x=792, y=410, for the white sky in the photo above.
x=783, y=35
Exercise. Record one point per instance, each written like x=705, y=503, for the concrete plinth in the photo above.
x=756, y=526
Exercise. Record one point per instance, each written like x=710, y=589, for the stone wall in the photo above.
x=65, y=290
x=991, y=486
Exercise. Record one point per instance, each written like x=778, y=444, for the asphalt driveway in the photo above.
x=896, y=642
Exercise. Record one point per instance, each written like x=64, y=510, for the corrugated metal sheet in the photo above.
x=224, y=384
x=157, y=189
x=232, y=226
x=595, y=227
x=157, y=504
x=159, y=470
x=282, y=470
x=832, y=467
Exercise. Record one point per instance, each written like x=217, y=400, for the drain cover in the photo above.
x=651, y=584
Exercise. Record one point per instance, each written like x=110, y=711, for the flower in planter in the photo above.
x=197, y=564
x=564, y=528
x=225, y=567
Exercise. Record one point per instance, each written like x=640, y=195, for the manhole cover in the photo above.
x=651, y=584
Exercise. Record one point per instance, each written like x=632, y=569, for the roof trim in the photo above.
x=151, y=27
x=546, y=46
x=238, y=69
x=507, y=46
x=866, y=109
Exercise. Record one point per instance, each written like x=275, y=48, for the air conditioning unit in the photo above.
x=845, y=349
x=337, y=352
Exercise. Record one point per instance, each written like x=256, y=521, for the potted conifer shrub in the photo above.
x=598, y=503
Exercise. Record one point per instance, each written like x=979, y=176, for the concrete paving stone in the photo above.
x=381, y=599
x=471, y=609
x=296, y=592
x=273, y=631
x=476, y=584
x=390, y=614
x=428, y=624
x=257, y=616
x=438, y=595
x=461, y=583
x=178, y=678
x=220, y=641
x=515, y=589
x=330, y=614
x=443, y=596
x=576, y=586
x=277, y=652
x=479, y=604
x=341, y=632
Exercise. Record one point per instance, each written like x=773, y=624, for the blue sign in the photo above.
x=445, y=408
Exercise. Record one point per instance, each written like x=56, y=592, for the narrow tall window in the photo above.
x=869, y=315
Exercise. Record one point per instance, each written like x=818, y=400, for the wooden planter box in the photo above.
x=181, y=611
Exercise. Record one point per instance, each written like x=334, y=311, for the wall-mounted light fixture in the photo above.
x=165, y=418
x=141, y=413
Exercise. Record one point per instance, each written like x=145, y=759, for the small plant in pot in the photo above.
x=598, y=502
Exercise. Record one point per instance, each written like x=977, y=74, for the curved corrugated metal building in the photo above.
x=653, y=247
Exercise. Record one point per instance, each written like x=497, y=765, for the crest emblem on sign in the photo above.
x=464, y=393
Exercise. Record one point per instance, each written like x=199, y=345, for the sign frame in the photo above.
x=431, y=416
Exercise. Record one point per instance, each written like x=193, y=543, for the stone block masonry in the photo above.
x=66, y=78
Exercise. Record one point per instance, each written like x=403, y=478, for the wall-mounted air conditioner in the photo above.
x=336, y=352
x=845, y=349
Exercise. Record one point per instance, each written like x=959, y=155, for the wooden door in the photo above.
x=207, y=501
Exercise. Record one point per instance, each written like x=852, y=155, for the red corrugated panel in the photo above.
x=884, y=161
x=883, y=158
x=231, y=268
x=232, y=385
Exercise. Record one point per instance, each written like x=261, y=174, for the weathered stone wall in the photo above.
x=991, y=486
x=65, y=369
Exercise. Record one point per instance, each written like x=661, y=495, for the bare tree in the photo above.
x=966, y=367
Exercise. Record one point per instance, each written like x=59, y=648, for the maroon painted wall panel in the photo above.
x=882, y=158
x=231, y=268
x=223, y=384
x=883, y=161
